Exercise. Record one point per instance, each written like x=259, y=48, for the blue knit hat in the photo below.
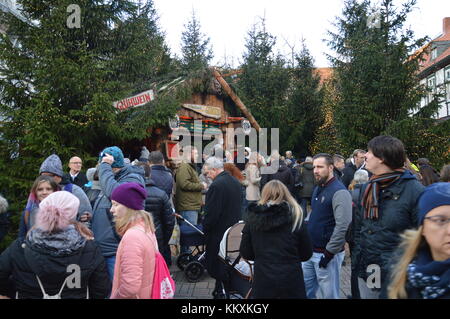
x=435, y=195
x=52, y=164
x=116, y=153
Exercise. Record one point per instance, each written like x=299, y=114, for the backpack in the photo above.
x=58, y=295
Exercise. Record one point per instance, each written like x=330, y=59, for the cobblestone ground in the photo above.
x=204, y=287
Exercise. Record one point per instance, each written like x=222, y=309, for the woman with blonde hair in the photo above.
x=276, y=238
x=136, y=254
x=422, y=270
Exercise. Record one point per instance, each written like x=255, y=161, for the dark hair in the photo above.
x=43, y=178
x=328, y=159
x=429, y=175
x=423, y=161
x=156, y=157
x=445, y=173
x=389, y=149
x=147, y=169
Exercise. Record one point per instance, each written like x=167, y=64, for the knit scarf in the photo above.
x=376, y=183
x=432, y=278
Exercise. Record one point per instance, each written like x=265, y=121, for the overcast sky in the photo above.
x=227, y=23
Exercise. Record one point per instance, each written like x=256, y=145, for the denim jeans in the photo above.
x=192, y=217
x=110, y=263
x=322, y=283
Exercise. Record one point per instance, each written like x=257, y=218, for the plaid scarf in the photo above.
x=377, y=182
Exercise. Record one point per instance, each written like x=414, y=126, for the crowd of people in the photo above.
x=393, y=216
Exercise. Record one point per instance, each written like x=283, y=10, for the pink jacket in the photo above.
x=135, y=264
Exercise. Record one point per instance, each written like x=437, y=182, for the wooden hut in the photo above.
x=218, y=108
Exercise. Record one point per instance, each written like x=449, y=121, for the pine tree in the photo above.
x=377, y=83
x=264, y=81
x=326, y=138
x=58, y=85
x=304, y=105
x=195, y=46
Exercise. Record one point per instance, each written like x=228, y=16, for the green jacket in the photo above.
x=188, y=194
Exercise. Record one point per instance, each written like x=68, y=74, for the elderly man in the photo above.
x=75, y=175
x=291, y=158
x=222, y=208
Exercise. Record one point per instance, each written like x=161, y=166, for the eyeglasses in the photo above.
x=441, y=221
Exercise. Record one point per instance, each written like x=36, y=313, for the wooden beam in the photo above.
x=236, y=99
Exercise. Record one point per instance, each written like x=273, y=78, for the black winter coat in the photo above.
x=284, y=175
x=348, y=173
x=24, y=260
x=79, y=180
x=223, y=210
x=306, y=177
x=268, y=239
x=157, y=203
x=377, y=239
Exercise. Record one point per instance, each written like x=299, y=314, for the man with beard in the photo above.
x=328, y=223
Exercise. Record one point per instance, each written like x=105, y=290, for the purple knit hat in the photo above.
x=131, y=195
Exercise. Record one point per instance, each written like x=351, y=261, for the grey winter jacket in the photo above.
x=102, y=223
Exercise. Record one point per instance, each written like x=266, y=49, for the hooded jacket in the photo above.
x=102, y=220
x=267, y=238
x=51, y=257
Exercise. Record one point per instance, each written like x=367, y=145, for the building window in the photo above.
x=432, y=82
x=431, y=86
x=447, y=74
x=434, y=54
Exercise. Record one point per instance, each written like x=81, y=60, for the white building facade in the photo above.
x=435, y=71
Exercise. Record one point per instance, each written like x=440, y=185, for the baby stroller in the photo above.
x=238, y=273
x=192, y=263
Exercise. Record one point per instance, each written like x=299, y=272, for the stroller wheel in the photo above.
x=183, y=260
x=193, y=271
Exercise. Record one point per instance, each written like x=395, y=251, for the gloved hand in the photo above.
x=326, y=258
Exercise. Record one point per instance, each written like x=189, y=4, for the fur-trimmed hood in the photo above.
x=269, y=216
